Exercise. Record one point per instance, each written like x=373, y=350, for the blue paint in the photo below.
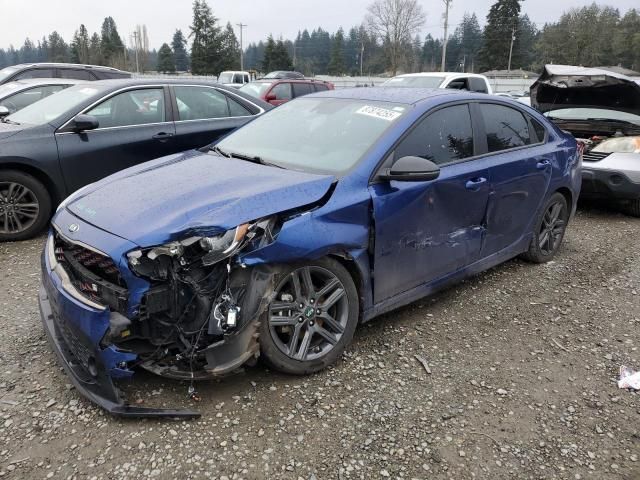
x=405, y=240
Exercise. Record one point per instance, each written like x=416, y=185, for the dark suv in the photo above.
x=60, y=70
x=276, y=92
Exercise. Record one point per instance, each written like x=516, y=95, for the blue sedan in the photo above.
x=278, y=241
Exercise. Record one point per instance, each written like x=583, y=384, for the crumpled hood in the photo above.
x=9, y=130
x=192, y=193
x=563, y=86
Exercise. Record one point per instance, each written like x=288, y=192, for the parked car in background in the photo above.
x=282, y=74
x=194, y=264
x=601, y=109
x=234, y=79
x=86, y=132
x=16, y=95
x=277, y=92
x=458, y=81
x=60, y=70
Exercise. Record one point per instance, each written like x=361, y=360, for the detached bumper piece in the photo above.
x=608, y=184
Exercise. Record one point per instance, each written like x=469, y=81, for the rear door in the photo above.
x=204, y=115
x=520, y=172
x=135, y=126
x=425, y=231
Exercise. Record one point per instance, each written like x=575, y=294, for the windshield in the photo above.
x=415, y=82
x=225, y=77
x=256, y=89
x=7, y=72
x=53, y=106
x=318, y=135
x=593, y=113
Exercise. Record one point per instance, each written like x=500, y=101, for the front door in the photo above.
x=425, y=231
x=134, y=127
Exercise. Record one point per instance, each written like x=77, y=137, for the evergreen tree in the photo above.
x=28, y=52
x=58, y=49
x=166, y=60
x=111, y=46
x=229, y=50
x=179, y=46
x=502, y=23
x=336, y=63
x=269, y=55
x=95, y=50
x=80, y=46
x=205, y=50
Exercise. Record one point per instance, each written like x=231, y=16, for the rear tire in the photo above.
x=25, y=206
x=631, y=208
x=305, y=330
x=549, y=230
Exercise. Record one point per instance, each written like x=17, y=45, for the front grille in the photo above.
x=594, y=156
x=93, y=274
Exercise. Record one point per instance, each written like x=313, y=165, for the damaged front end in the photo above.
x=199, y=317
x=187, y=310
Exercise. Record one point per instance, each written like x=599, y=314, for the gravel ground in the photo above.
x=523, y=360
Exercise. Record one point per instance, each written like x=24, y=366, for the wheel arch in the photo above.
x=566, y=193
x=38, y=174
x=351, y=265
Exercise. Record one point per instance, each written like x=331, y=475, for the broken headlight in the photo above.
x=210, y=250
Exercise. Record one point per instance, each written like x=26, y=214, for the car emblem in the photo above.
x=309, y=312
x=74, y=227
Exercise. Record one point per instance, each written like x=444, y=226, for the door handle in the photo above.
x=543, y=164
x=475, y=183
x=162, y=136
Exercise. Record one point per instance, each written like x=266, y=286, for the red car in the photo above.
x=279, y=91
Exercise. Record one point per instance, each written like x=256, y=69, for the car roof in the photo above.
x=48, y=81
x=63, y=65
x=440, y=74
x=408, y=96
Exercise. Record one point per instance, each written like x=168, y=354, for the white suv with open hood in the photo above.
x=602, y=109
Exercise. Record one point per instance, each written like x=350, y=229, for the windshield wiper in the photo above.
x=247, y=158
x=6, y=120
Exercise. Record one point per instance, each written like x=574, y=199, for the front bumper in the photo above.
x=608, y=184
x=75, y=327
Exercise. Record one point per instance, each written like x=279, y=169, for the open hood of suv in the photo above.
x=563, y=86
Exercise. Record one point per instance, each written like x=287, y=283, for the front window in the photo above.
x=593, y=114
x=315, y=135
x=134, y=107
x=256, y=89
x=414, y=82
x=53, y=106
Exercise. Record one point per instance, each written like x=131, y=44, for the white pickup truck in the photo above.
x=460, y=81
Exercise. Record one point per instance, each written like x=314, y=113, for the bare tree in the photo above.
x=395, y=22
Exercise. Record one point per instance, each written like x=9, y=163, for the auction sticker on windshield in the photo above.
x=378, y=112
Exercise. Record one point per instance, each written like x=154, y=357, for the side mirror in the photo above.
x=271, y=97
x=4, y=111
x=412, y=169
x=83, y=122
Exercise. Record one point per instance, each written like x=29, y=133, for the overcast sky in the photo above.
x=34, y=18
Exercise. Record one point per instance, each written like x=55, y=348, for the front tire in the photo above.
x=549, y=230
x=25, y=206
x=312, y=318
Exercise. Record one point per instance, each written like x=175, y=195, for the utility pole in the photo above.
x=241, y=25
x=447, y=3
x=135, y=40
x=513, y=39
x=362, y=58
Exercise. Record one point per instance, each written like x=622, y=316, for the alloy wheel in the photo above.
x=552, y=228
x=309, y=314
x=19, y=207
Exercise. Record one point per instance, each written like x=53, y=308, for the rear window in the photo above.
x=110, y=75
x=506, y=127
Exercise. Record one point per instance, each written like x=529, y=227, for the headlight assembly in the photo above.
x=224, y=245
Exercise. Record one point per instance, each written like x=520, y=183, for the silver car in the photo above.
x=16, y=95
x=602, y=110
